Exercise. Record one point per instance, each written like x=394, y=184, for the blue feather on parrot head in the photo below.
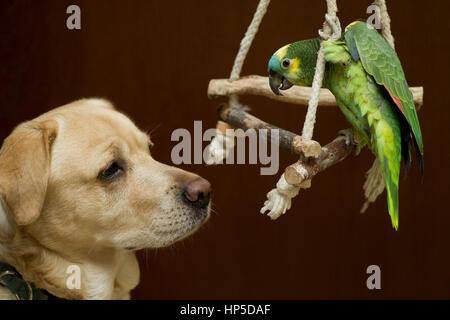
x=280, y=70
x=293, y=64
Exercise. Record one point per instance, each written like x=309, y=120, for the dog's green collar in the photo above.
x=21, y=289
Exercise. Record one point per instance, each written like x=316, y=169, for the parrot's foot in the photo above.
x=335, y=26
x=351, y=138
x=335, y=52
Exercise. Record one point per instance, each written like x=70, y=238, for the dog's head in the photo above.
x=82, y=176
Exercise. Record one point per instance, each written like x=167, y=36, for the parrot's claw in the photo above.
x=351, y=139
x=348, y=134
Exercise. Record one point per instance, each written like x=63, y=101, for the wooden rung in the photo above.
x=238, y=118
x=258, y=85
x=223, y=126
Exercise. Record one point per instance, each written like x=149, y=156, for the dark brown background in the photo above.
x=154, y=59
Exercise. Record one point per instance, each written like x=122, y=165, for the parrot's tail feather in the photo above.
x=391, y=181
x=388, y=149
x=408, y=139
x=406, y=150
x=419, y=158
x=407, y=145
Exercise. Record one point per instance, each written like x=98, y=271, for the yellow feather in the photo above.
x=282, y=52
x=294, y=68
x=351, y=25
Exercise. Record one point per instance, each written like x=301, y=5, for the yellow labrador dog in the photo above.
x=79, y=191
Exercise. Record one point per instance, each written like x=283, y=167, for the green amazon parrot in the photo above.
x=366, y=77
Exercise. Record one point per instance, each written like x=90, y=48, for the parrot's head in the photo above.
x=293, y=64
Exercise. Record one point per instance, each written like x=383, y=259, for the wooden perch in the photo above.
x=302, y=170
x=334, y=152
x=289, y=141
x=257, y=85
x=316, y=159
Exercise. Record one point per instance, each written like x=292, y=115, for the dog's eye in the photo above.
x=114, y=170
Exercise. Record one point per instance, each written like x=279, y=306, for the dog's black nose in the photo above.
x=198, y=192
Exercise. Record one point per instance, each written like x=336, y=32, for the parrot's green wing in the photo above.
x=381, y=61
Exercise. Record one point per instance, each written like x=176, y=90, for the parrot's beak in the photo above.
x=277, y=82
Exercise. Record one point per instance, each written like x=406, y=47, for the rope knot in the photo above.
x=332, y=28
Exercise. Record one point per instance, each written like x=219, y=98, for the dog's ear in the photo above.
x=24, y=172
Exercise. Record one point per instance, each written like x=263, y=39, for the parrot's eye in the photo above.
x=286, y=63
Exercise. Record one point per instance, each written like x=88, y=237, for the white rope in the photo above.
x=279, y=199
x=246, y=42
x=216, y=148
x=220, y=148
x=245, y=45
x=385, y=22
x=374, y=184
x=331, y=31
